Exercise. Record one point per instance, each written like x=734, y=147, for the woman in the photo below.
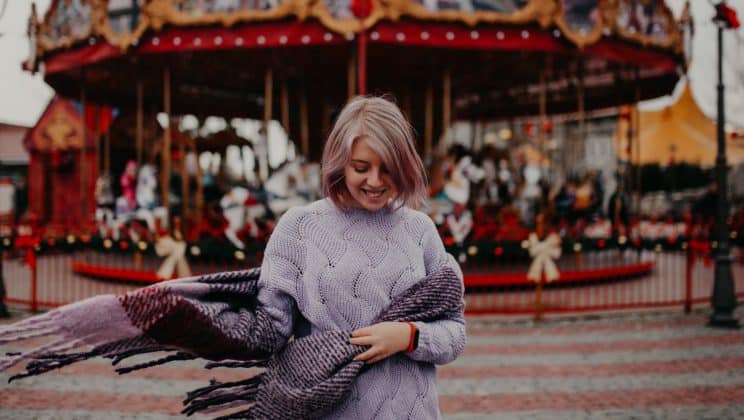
x=335, y=264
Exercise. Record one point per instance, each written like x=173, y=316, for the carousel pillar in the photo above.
x=428, y=121
x=284, y=104
x=446, y=101
x=268, y=104
x=83, y=160
x=637, y=140
x=165, y=157
x=138, y=128
x=351, y=76
x=304, y=131
x=724, y=295
x=185, y=199
x=362, y=62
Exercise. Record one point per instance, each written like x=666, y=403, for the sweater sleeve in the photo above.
x=281, y=269
x=444, y=340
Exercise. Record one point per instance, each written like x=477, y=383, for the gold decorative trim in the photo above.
x=155, y=14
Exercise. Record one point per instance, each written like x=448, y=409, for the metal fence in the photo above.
x=595, y=280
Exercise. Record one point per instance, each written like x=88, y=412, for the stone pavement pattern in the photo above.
x=650, y=366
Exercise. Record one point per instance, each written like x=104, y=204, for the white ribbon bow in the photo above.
x=543, y=253
x=175, y=258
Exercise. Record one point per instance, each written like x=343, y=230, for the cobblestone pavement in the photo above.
x=632, y=366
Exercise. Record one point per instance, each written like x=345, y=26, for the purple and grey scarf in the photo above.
x=217, y=317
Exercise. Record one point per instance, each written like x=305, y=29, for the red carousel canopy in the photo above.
x=497, y=58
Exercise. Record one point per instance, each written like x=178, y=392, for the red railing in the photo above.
x=597, y=280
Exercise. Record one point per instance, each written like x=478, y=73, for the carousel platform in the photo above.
x=573, y=276
x=115, y=273
x=592, y=267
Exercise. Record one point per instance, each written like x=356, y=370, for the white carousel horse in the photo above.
x=146, y=194
x=104, y=195
x=284, y=187
x=238, y=213
x=465, y=171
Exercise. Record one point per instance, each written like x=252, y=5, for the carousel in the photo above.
x=146, y=66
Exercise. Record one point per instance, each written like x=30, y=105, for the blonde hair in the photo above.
x=389, y=134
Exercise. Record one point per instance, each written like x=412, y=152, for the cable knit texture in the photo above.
x=329, y=269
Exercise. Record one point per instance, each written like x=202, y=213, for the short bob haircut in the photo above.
x=389, y=134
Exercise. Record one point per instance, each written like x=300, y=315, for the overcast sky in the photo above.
x=23, y=96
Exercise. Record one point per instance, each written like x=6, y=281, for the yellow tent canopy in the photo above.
x=678, y=133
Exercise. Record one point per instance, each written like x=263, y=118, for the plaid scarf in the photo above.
x=217, y=317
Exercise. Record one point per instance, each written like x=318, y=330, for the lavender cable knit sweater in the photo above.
x=330, y=269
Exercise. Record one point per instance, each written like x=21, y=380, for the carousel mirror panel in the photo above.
x=646, y=18
x=123, y=15
x=581, y=16
x=197, y=8
x=70, y=21
x=498, y=6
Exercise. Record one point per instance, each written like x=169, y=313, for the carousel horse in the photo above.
x=283, y=187
x=460, y=223
x=457, y=188
x=104, y=195
x=239, y=207
x=146, y=195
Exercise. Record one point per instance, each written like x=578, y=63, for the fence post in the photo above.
x=538, y=300
x=3, y=309
x=31, y=259
x=689, y=264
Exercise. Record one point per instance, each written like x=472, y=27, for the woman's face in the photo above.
x=368, y=181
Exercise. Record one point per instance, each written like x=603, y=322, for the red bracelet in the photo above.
x=411, y=341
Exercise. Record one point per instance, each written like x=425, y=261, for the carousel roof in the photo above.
x=496, y=51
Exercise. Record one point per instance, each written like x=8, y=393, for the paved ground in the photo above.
x=640, y=366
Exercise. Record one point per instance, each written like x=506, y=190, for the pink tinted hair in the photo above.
x=389, y=134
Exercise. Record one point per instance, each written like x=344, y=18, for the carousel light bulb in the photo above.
x=142, y=245
x=577, y=247
x=450, y=36
x=733, y=234
x=525, y=244
x=70, y=239
x=328, y=37
x=107, y=243
x=658, y=248
x=239, y=255
x=714, y=244
x=6, y=241
x=622, y=239
x=195, y=251
x=472, y=250
x=462, y=258
x=400, y=36
x=261, y=40
x=505, y=134
x=684, y=245
x=424, y=35
x=474, y=34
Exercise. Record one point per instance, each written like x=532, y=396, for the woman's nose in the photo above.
x=374, y=179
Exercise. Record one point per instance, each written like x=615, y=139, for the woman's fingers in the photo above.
x=366, y=340
x=371, y=353
x=361, y=332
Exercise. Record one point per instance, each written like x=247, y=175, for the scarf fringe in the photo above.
x=163, y=360
x=219, y=394
x=238, y=364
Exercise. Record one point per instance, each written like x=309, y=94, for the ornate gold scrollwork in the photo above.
x=155, y=14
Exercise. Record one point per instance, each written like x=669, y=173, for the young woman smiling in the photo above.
x=338, y=262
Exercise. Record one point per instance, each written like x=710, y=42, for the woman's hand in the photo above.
x=384, y=339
